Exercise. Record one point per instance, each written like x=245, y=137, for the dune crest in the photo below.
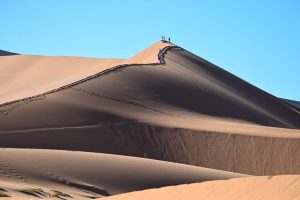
x=148, y=55
x=52, y=72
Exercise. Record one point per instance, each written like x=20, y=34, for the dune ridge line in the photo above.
x=102, y=73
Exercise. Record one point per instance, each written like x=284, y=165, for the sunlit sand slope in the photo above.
x=258, y=188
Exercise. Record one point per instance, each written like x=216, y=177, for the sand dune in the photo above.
x=258, y=188
x=7, y=53
x=179, y=111
x=255, y=155
x=185, y=110
x=50, y=72
x=83, y=175
x=148, y=55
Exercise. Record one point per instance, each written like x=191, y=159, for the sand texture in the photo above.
x=186, y=110
x=84, y=175
x=63, y=118
x=259, y=188
x=50, y=72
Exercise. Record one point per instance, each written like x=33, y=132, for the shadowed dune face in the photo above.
x=259, y=188
x=253, y=155
x=7, y=53
x=82, y=174
x=186, y=86
x=207, y=89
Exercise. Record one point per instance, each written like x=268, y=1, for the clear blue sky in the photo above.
x=258, y=40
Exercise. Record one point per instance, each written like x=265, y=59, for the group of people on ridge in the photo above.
x=163, y=39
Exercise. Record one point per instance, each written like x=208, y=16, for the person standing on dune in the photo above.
x=169, y=40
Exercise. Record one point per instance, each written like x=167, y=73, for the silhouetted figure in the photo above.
x=162, y=58
x=169, y=39
x=159, y=55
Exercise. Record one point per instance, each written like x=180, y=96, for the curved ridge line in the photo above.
x=104, y=72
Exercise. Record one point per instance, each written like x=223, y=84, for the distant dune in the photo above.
x=258, y=188
x=7, y=53
x=184, y=110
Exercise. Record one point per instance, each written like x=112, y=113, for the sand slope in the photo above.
x=148, y=55
x=83, y=175
x=25, y=75
x=52, y=72
x=259, y=188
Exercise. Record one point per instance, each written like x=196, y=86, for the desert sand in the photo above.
x=50, y=72
x=259, y=188
x=179, y=111
x=185, y=110
x=84, y=175
x=148, y=55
